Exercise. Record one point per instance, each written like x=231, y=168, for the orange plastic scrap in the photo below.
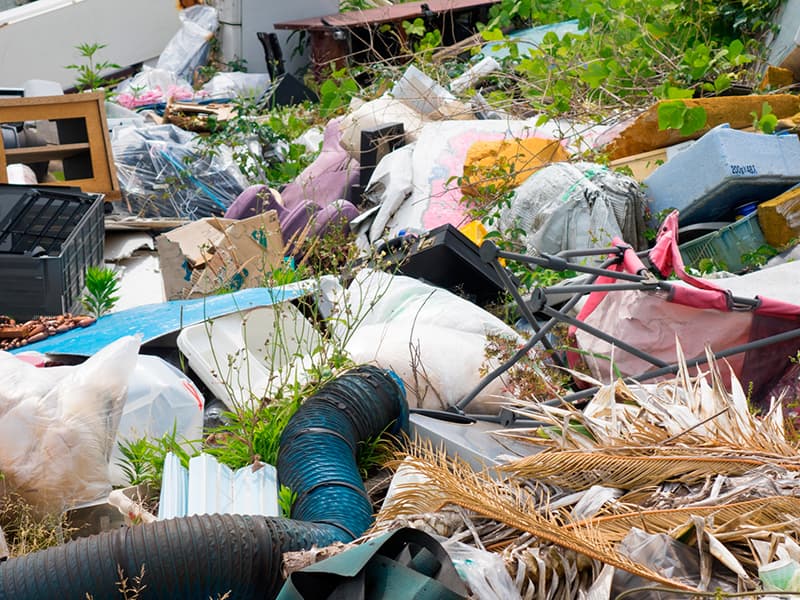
x=505, y=164
x=643, y=134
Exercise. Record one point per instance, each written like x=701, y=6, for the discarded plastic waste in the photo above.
x=161, y=400
x=153, y=321
x=433, y=339
x=188, y=49
x=243, y=356
x=58, y=424
x=162, y=174
x=208, y=487
x=708, y=180
x=406, y=563
x=236, y=554
x=567, y=206
x=781, y=576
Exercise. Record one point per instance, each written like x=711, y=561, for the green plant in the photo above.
x=374, y=453
x=759, y=257
x=262, y=146
x=101, y=287
x=766, y=121
x=675, y=114
x=89, y=75
x=423, y=40
x=626, y=54
x=708, y=265
x=336, y=92
x=143, y=459
x=286, y=500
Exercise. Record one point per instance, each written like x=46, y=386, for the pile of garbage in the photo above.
x=430, y=334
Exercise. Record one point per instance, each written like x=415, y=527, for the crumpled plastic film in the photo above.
x=568, y=206
x=189, y=47
x=162, y=174
x=58, y=424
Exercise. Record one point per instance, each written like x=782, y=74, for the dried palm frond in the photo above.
x=683, y=412
x=733, y=520
x=453, y=482
x=581, y=470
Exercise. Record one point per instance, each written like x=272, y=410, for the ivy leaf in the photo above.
x=676, y=93
x=657, y=30
x=671, y=114
x=722, y=82
x=595, y=74
x=492, y=35
x=735, y=50
x=694, y=120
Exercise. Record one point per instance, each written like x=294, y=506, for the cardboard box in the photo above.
x=209, y=255
x=642, y=165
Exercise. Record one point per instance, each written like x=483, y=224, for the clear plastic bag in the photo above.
x=188, y=49
x=163, y=175
x=57, y=425
x=151, y=86
x=237, y=85
x=484, y=572
x=160, y=400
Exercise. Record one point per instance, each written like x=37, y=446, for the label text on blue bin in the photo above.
x=744, y=170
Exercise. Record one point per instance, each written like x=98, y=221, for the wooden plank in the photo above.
x=382, y=14
x=42, y=153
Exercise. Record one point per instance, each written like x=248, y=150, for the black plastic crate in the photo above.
x=47, y=239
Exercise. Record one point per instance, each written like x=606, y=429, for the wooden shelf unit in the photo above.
x=84, y=145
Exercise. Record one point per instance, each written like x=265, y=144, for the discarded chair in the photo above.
x=755, y=323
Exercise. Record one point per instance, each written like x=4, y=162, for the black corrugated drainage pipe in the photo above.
x=207, y=556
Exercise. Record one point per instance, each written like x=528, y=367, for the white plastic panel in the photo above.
x=243, y=356
x=209, y=487
x=38, y=40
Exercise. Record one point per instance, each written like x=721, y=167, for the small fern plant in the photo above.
x=101, y=289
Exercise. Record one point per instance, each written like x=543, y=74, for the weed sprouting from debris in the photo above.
x=28, y=531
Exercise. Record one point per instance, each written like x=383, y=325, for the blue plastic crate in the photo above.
x=726, y=246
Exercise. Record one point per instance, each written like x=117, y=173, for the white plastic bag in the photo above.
x=160, y=400
x=237, y=85
x=188, y=49
x=57, y=425
x=434, y=340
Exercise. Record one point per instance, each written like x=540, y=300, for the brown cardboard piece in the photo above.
x=211, y=254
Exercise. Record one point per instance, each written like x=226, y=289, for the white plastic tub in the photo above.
x=246, y=356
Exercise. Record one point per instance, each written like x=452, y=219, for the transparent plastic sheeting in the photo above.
x=163, y=174
x=189, y=47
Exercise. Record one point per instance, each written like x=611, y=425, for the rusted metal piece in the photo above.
x=378, y=34
x=384, y=14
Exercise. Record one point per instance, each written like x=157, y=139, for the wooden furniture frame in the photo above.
x=84, y=145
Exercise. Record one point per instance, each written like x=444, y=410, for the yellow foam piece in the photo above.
x=780, y=218
x=505, y=164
